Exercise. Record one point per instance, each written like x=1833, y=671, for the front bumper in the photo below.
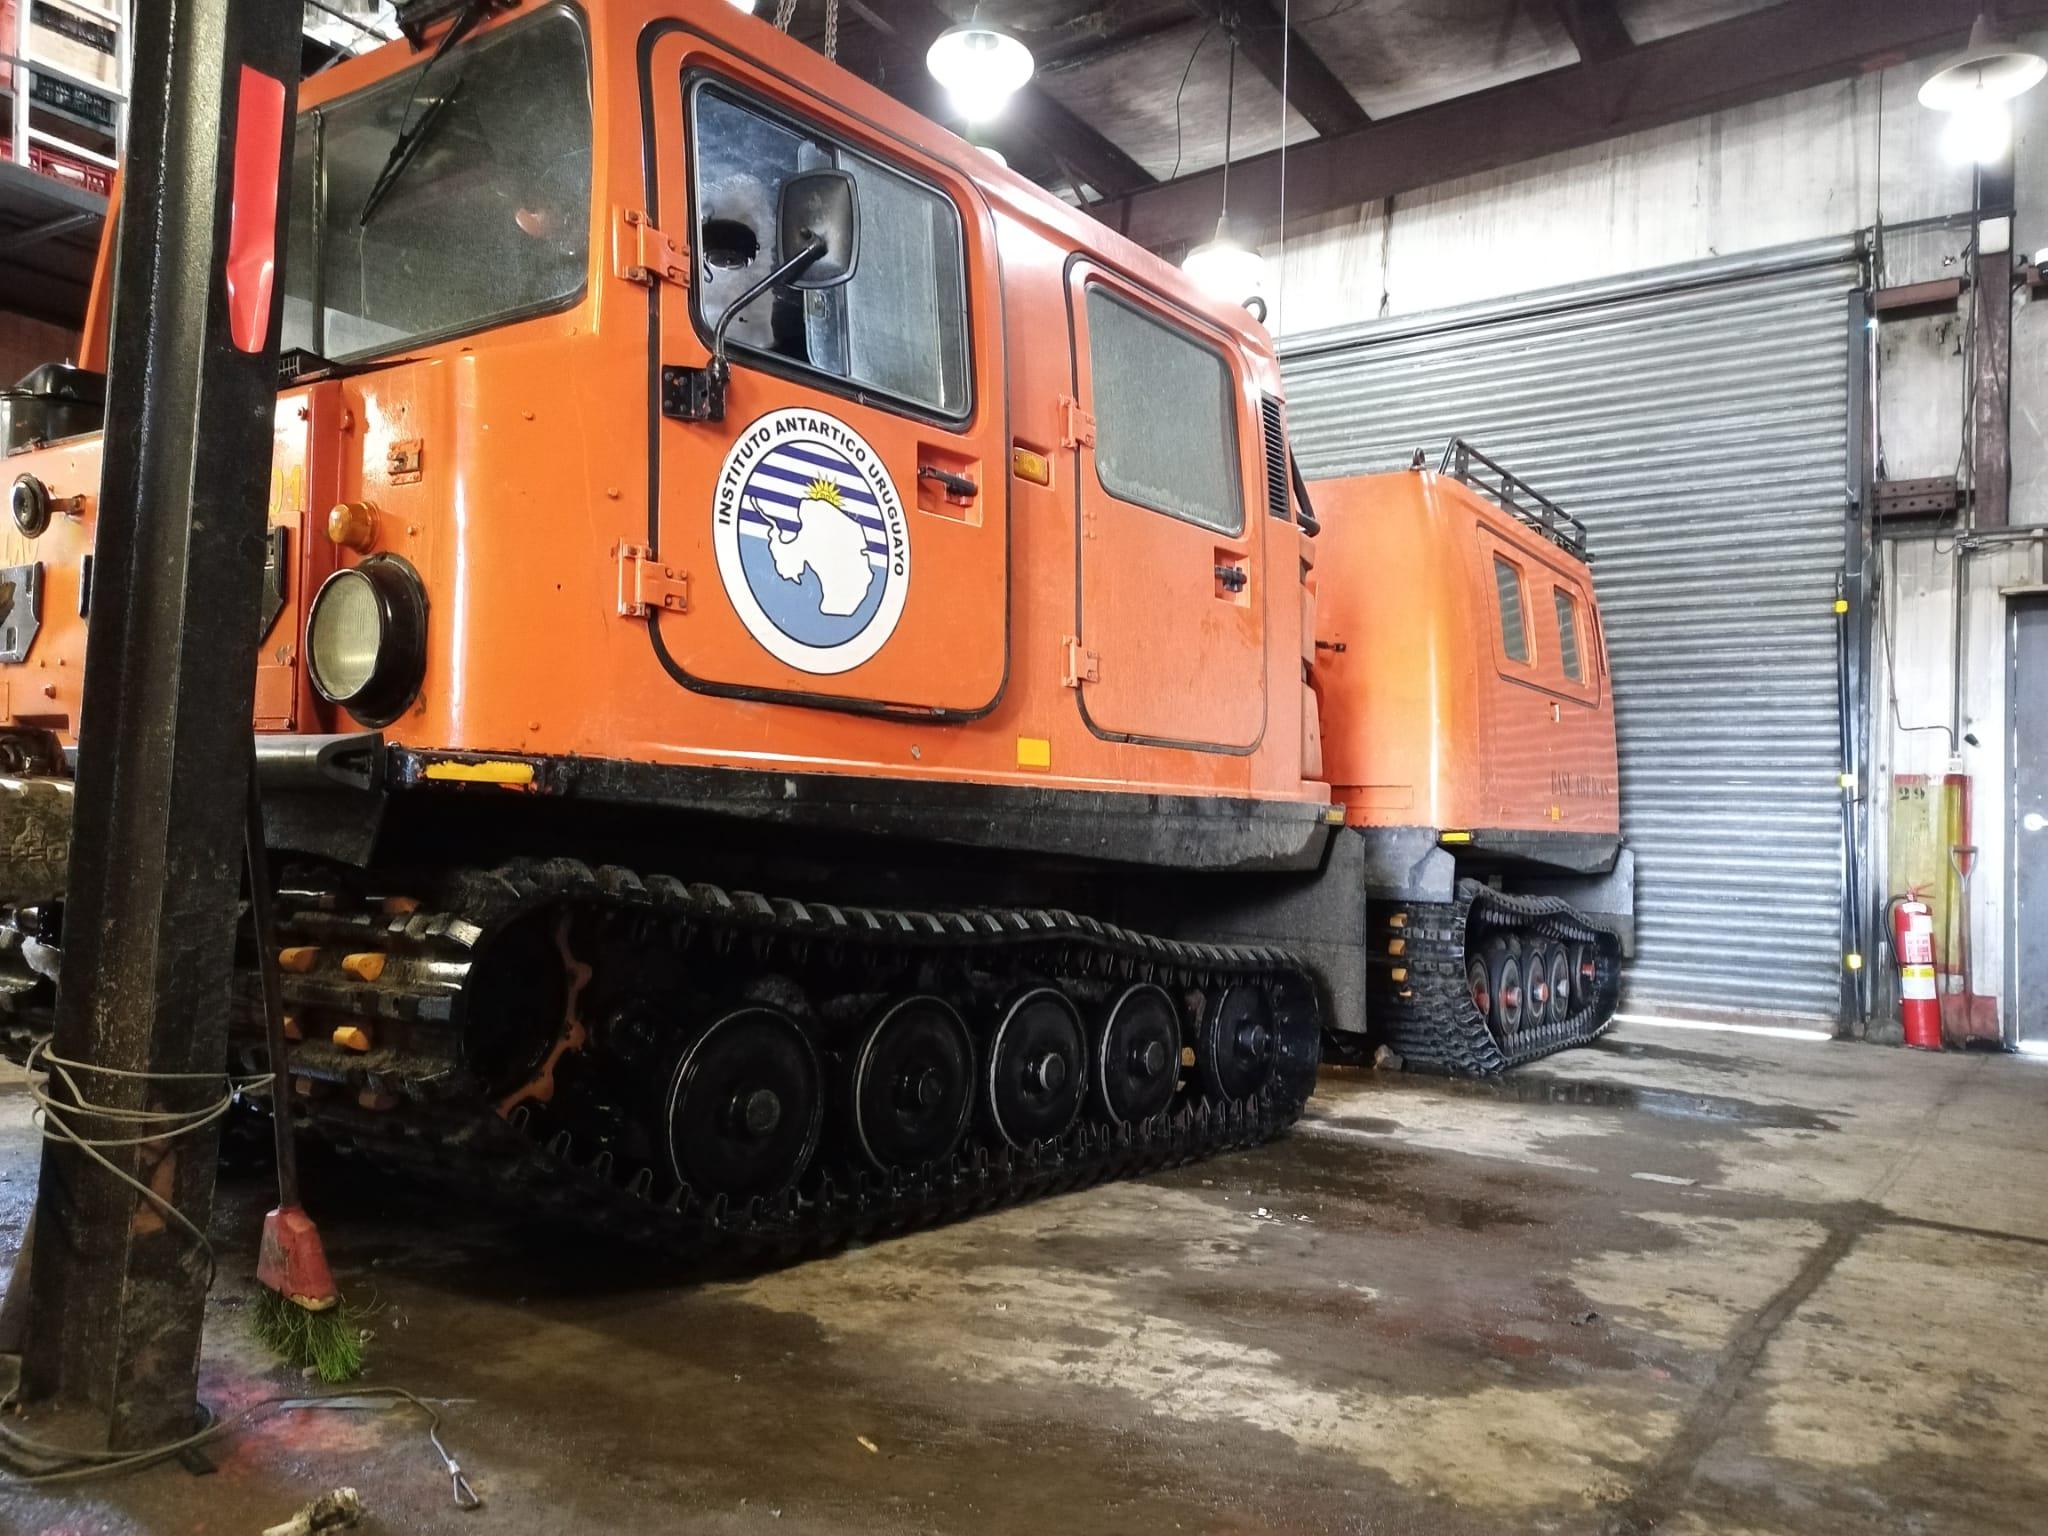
x=354, y=760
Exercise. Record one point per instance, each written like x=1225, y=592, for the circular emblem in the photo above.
x=812, y=543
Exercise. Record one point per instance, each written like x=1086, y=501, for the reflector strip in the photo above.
x=252, y=218
x=491, y=771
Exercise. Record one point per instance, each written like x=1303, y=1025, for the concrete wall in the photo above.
x=1828, y=161
x=26, y=344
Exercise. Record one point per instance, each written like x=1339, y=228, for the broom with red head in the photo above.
x=298, y=1311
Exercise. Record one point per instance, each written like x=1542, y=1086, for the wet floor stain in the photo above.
x=1583, y=1306
x=1542, y=1087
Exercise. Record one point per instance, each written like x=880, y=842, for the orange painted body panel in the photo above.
x=540, y=450
x=1427, y=720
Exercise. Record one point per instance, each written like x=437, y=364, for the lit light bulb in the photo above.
x=1979, y=130
x=980, y=68
x=1224, y=269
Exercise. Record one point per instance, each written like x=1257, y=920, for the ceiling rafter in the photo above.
x=1279, y=52
x=1786, y=47
x=1034, y=113
x=1596, y=28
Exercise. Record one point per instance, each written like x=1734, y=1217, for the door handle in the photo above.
x=1232, y=578
x=950, y=483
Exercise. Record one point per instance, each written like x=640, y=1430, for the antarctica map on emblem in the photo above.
x=812, y=543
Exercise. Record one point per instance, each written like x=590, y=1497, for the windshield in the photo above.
x=490, y=220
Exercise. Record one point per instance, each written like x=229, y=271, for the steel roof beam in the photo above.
x=1280, y=53
x=1786, y=48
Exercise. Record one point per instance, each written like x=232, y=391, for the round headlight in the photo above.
x=366, y=638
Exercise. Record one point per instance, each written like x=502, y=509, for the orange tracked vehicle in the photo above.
x=697, y=475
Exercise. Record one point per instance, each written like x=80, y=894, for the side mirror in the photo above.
x=819, y=224
x=821, y=206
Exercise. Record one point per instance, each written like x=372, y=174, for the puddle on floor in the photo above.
x=1527, y=1087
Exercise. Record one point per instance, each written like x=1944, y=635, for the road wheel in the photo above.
x=1564, y=997
x=1503, y=960
x=1535, y=984
x=1585, y=973
x=1479, y=985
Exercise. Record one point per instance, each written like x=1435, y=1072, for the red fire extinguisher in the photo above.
x=1913, y=947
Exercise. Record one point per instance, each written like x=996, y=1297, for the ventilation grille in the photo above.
x=1276, y=457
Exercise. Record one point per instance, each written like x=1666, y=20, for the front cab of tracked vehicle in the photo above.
x=511, y=550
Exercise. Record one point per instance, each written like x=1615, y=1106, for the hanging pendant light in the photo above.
x=1222, y=266
x=980, y=67
x=1993, y=68
x=1974, y=87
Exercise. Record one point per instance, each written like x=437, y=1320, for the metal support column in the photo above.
x=1861, y=898
x=1991, y=351
x=118, y=1292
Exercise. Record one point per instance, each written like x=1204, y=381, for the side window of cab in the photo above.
x=898, y=328
x=1513, y=609
x=1565, y=605
x=1166, y=422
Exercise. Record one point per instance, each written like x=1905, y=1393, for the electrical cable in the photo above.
x=1176, y=95
x=147, y=1125
x=1891, y=676
x=78, y=1465
x=1286, y=57
x=1229, y=121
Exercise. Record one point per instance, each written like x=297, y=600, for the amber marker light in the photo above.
x=353, y=525
x=1026, y=465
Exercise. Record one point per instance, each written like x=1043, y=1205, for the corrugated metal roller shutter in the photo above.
x=1697, y=419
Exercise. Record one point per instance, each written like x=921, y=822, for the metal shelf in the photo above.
x=49, y=238
x=33, y=129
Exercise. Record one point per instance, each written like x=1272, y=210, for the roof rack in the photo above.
x=1516, y=496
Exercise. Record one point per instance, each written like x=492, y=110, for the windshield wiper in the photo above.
x=404, y=148
x=410, y=134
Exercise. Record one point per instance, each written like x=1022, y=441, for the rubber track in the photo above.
x=439, y=1128
x=1436, y=1028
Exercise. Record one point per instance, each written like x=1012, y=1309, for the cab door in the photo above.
x=842, y=533
x=1172, y=643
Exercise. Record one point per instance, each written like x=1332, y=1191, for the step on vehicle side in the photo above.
x=698, y=476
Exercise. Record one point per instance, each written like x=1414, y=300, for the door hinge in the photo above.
x=646, y=586
x=1078, y=665
x=1077, y=427
x=643, y=254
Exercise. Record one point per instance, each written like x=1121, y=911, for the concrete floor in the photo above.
x=1684, y=1282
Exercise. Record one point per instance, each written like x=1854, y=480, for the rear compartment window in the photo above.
x=1568, y=633
x=488, y=221
x=1514, y=633
x=899, y=325
x=1165, y=429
